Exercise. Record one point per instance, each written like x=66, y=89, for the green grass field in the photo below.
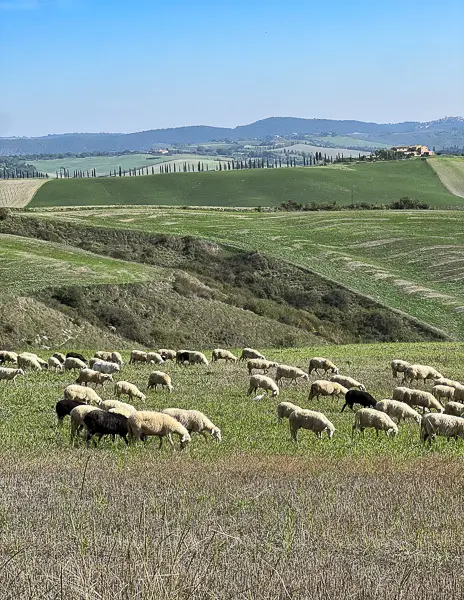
x=309, y=148
x=450, y=170
x=409, y=261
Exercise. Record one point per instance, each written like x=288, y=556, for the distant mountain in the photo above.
x=441, y=133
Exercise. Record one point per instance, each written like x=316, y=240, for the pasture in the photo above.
x=374, y=183
x=17, y=193
x=254, y=516
x=450, y=170
x=306, y=148
x=409, y=261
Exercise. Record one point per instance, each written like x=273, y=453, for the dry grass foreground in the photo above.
x=17, y=193
x=249, y=527
x=451, y=173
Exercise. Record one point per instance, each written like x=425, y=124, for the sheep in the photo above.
x=325, y=364
x=380, y=421
x=443, y=391
x=26, y=361
x=154, y=358
x=117, y=358
x=106, y=367
x=321, y=387
x=64, y=407
x=312, y=420
x=454, y=408
x=74, y=364
x=401, y=394
x=440, y=424
x=113, y=404
x=109, y=357
x=250, y=353
x=220, y=354
x=159, y=378
x=285, y=409
x=197, y=358
x=100, y=423
x=128, y=389
x=292, y=373
x=422, y=399
x=447, y=382
x=77, y=419
x=76, y=355
x=43, y=363
x=102, y=355
x=459, y=393
x=59, y=356
x=90, y=376
x=122, y=410
x=263, y=382
x=194, y=421
x=348, y=382
x=167, y=354
x=7, y=356
x=399, y=366
x=397, y=411
x=148, y=422
x=259, y=364
x=137, y=356
x=416, y=372
x=84, y=394
x=182, y=357
x=8, y=374
x=353, y=397
x=54, y=363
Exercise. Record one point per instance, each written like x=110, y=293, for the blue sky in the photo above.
x=102, y=65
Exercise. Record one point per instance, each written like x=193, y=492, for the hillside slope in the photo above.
x=450, y=170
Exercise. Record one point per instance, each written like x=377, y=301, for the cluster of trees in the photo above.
x=13, y=167
x=404, y=203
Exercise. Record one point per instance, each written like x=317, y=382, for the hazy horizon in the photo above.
x=76, y=66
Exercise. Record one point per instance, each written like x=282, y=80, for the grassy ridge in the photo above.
x=376, y=183
x=450, y=170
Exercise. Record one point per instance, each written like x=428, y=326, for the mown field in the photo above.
x=254, y=516
x=17, y=193
x=409, y=261
x=376, y=183
x=450, y=170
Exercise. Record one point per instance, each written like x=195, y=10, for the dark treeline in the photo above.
x=13, y=167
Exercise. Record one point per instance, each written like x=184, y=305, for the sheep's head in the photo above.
x=19, y=372
x=142, y=397
x=170, y=387
x=107, y=377
x=184, y=440
x=331, y=432
x=362, y=388
x=216, y=434
x=305, y=376
x=393, y=431
x=335, y=370
x=418, y=418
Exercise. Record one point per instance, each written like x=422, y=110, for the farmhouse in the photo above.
x=415, y=150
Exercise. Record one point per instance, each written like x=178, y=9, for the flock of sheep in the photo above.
x=97, y=417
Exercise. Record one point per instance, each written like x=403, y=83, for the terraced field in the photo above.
x=409, y=261
x=17, y=193
x=450, y=170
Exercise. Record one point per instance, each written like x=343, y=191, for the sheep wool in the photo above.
x=324, y=364
x=263, y=382
x=370, y=418
x=250, y=353
x=194, y=421
x=159, y=378
x=128, y=389
x=148, y=423
x=220, y=354
x=397, y=411
x=448, y=426
x=259, y=364
x=348, y=382
x=311, y=420
x=285, y=409
x=321, y=387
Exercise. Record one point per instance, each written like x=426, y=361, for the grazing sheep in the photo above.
x=448, y=426
x=292, y=373
x=285, y=409
x=263, y=382
x=77, y=419
x=348, y=382
x=59, y=356
x=43, y=363
x=424, y=372
x=312, y=420
x=324, y=364
x=7, y=356
x=102, y=366
x=194, y=421
x=109, y=357
x=102, y=355
x=100, y=423
x=144, y=423
x=459, y=393
x=117, y=358
x=74, y=364
x=54, y=363
x=159, y=378
x=197, y=358
x=122, y=410
x=250, y=353
x=321, y=387
x=64, y=407
x=443, y=391
x=26, y=361
x=353, y=397
x=422, y=399
x=220, y=354
x=154, y=358
x=182, y=357
x=90, y=376
x=401, y=394
x=371, y=418
x=83, y=394
x=259, y=364
x=137, y=356
x=167, y=354
x=112, y=404
x=76, y=355
x=8, y=374
x=447, y=382
x=397, y=411
x=128, y=389
x=454, y=408
x=399, y=366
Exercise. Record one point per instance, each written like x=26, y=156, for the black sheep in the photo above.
x=359, y=397
x=76, y=355
x=102, y=423
x=64, y=407
x=183, y=357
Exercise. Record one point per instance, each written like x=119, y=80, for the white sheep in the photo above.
x=259, y=364
x=454, y=408
x=102, y=355
x=109, y=357
x=8, y=374
x=443, y=391
x=74, y=364
x=6, y=356
x=159, y=378
x=415, y=397
x=128, y=389
x=117, y=358
x=401, y=394
x=448, y=426
x=137, y=356
x=77, y=419
x=397, y=411
x=250, y=353
x=154, y=358
x=285, y=409
x=263, y=382
x=424, y=372
x=459, y=393
x=122, y=410
x=321, y=387
x=372, y=418
x=59, y=356
x=194, y=421
x=144, y=423
x=80, y=392
x=220, y=354
x=103, y=366
x=324, y=364
x=90, y=376
x=311, y=420
x=292, y=373
x=28, y=361
x=54, y=363
x=447, y=382
x=116, y=404
x=399, y=366
x=167, y=354
x=197, y=358
x=348, y=382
